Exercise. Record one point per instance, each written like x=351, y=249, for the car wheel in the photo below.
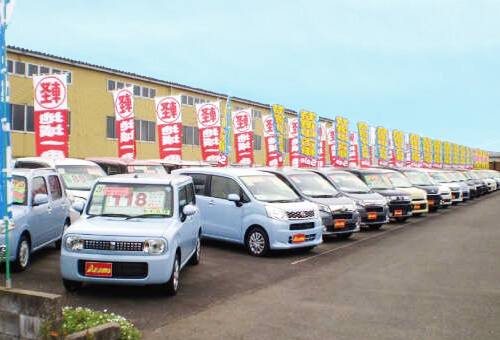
x=59, y=242
x=172, y=286
x=343, y=236
x=195, y=258
x=257, y=242
x=401, y=219
x=23, y=255
x=72, y=286
x=375, y=226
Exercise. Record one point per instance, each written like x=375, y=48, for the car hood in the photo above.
x=430, y=189
x=391, y=192
x=119, y=226
x=367, y=198
x=415, y=193
x=79, y=193
x=331, y=200
x=294, y=206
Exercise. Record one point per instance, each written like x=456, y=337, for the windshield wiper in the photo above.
x=285, y=201
x=322, y=196
x=109, y=215
x=148, y=215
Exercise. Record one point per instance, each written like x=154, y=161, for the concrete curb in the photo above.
x=108, y=331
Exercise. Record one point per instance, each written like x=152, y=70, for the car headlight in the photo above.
x=324, y=208
x=360, y=203
x=11, y=226
x=73, y=243
x=388, y=198
x=278, y=214
x=154, y=246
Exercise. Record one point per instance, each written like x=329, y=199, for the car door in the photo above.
x=201, y=182
x=39, y=219
x=187, y=225
x=58, y=205
x=224, y=216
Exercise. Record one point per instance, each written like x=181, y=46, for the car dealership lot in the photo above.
x=419, y=274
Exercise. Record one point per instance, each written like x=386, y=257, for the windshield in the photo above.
x=466, y=174
x=313, y=185
x=398, y=180
x=473, y=175
x=147, y=169
x=269, y=189
x=80, y=177
x=440, y=177
x=349, y=183
x=418, y=178
x=20, y=186
x=378, y=181
x=129, y=200
x=459, y=176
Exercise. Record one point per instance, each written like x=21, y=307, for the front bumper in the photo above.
x=456, y=196
x=340, y=222
x=13, y=240
x=420, y=206
x=400, y=209
x=434, y=201
x=284, y=233
x=374, y=214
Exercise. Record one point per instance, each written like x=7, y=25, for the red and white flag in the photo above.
x=293, y=140
x=272, y=156
x=169, y=122
x=322, y=145
x=125, y=121
x=353, y=151
x=208, y=117
x=243, y=136
x=51, y=115
x=330, y=137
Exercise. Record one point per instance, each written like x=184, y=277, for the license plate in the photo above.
x=453, y=196
x=99, y=269
x=339, y=224
x=416, y=207
x=398, y=212
x=431, y=202
x=299, y=238
x=372, y=215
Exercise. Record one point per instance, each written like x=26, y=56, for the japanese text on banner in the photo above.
x=169, y=123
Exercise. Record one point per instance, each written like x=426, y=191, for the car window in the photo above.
x=55, y=187
x=80, y=177
x=20, y=186
x=39, y=187
x=220, y=187
x=183, y=201
x=191, y=197
x=200, y=182
x=112, y=169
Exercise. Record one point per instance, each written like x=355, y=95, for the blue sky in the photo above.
x=423, y=66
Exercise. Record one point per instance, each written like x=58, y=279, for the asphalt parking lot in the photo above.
x=431, y=277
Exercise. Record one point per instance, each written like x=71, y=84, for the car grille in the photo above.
x=348, y=226
x=121, y=270
x=422, y=206
x=375, y=209
x=301, y=226
x=113, y=245
x=345, y=216
x=296, y=215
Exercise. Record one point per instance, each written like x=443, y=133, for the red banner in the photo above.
x=243, y=136
x=353, y=151
x=169, y=122
x=330, y=136
x=208, y=117
x=322, y=145
x=272, y=155
x=125, y=121
x=293, y=140
x=51, y=112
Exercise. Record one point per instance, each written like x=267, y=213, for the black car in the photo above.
x=421, y=180
x=400, y=205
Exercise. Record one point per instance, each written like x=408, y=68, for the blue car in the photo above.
x=40, y=214
x=136, y=229
x=254, y=208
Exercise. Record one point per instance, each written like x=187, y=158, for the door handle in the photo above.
x=49, y=210
x=211, y=203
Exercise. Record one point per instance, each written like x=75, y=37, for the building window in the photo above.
x=145, y=130
x=110, y=127
x=238, y=108
x=184, y=99
x=10, y=66
x=30, y=119
x=137, y=90
x=190, y=135
x=190, y=100
x=20, y=68
x=152, y=93
x=119, y=85
x=17, y=117
x=56, y=71
x=44, y=70
x=32, y=70
x=257, y=142
x=111, y=85
x=68, y=76
x=256, y=113
x=145, y=92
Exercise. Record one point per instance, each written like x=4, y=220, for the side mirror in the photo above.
x=235, y=198
x=78, y=206
x=189, y=210
x=40, y=199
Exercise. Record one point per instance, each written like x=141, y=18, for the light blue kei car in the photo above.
x=135, y=229
x=254, y=208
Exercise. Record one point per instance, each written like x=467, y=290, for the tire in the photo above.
x=375, y=226
x=433, y=209
x=343, y=236
x=72, y=286
x=401, y=219
x=172, y=286
x=195, y=258
x=257, y=242
x=59, y=242
x=23, y=255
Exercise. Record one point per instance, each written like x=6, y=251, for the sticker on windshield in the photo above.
x=94, y=171
x=19, y=195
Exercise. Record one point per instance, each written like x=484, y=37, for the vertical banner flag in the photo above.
x=447, y=155
x=208, y=117
x=382, y=146
x=392, y=156
x=415, y=150
x=353, y=151
x=270, y=141
x=243, y=136
x=169, y=123
x=278, y=114
x=330, y=136
x=51, y=115
x=125, y=121
x=308, y=137
x=322, y=145
x=363, y=144
x=462, y=156
x=438, y=154
x=399, y=148
x=342, y=141
x=456, y=155
x=224, y=136
x=427, y=151
x=293, y=139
